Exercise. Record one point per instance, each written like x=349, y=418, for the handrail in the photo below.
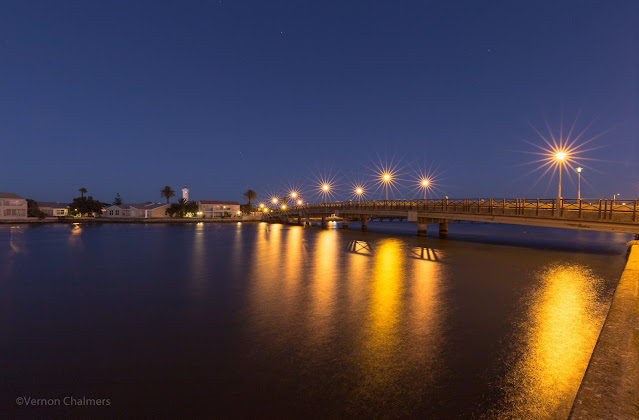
x=604, y=208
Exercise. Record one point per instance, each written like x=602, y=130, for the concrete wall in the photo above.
x=610, y=388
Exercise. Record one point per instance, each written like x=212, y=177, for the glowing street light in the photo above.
x=386, y=179
x=325, y=189
x=293, y=194
x=560, y=156
x=261, y=205
x=299, y=202
x=283, y=206
x=359, y=191
x=425, y=184
x=579, y=169
x=274, y=200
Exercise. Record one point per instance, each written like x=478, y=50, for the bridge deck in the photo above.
x=593, y=214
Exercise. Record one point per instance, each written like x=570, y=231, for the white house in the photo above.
x=53, y=209
x=212, y=208
x=141, y=210
x=12, y=206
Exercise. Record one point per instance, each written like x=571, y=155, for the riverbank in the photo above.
x=610, y=388
x=68, y=220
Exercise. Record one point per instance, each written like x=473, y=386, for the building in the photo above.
x=12, y=206
x=185, y=193
x=141, y=210
x=52, y=209
x=212, y=208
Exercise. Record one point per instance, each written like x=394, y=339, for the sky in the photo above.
x=224, y=96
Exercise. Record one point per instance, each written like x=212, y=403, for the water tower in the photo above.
x=185, y=193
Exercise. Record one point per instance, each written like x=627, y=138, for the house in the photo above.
x=211, y=208
x=141, y=210
x=12, y=206
x=53, y=209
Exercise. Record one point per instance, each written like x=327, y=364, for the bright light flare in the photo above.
x=299, y=202
x=561, y=151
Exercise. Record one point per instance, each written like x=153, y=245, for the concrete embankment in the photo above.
x=610, y=388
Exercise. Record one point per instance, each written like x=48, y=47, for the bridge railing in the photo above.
x=591, y=209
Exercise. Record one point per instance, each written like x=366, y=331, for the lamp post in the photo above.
x=359, y=191
x=386, y=179
x=325, y=189
x=425, y=185
x=579, y=169
x=560, y=156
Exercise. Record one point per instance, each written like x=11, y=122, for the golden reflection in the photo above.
x=74, y=238
x=380, y=352
x=199, y=264
x=566, y=316
x=323, y=286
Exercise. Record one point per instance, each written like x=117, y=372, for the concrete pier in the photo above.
x=443, y=229
x=422, y=226
x=364, y=224
x=307, y=221
x=323, y=221
x=345, y=224
x=610, y=387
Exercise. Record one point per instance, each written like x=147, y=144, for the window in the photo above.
x=110, y=212
x=13, y=203
x=14, y=212
x=117, y=212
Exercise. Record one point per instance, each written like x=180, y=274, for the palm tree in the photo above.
x=167, y=192
x=82, y=191
x=250, y=195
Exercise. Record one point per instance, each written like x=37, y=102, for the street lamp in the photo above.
x=560, y=156
x=299, y=202
x=614, y=196
x=386, y=178
x=325, y=189
x=293, y=194
x=283, y=206
x=274, y=200
x=425, y=185
x=579, y=169
x=359, y=191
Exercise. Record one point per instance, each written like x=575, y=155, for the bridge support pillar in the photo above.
x=299, y=220
x=323, y=221
x=364, y=224
x=344, y=223
x=307, y=221
x=422, y=226
x=443, y=229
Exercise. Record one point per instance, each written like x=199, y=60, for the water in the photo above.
x=254, y=319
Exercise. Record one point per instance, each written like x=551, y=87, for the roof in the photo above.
x=228, y=203
x=9, y=195
x=52, y=204
x=139, y=206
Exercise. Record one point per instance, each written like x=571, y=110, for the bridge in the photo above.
x=608, y=215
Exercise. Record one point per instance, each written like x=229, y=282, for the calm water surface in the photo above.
x=253, y=319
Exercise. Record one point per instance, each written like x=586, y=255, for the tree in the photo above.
x=167, y=193
x=33, y=210
x=182, y=207
x=82, y=192
x=85, y=205
x=250, y=195
x=118, y=200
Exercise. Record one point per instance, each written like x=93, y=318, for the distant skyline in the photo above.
x=225, y=96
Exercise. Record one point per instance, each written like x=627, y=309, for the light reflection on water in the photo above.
x=283, y=320
x=564, y=316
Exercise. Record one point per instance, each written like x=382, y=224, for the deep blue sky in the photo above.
x=221, y=96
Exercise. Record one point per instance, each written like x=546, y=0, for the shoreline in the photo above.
x=126, y=220
x=610, y=386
